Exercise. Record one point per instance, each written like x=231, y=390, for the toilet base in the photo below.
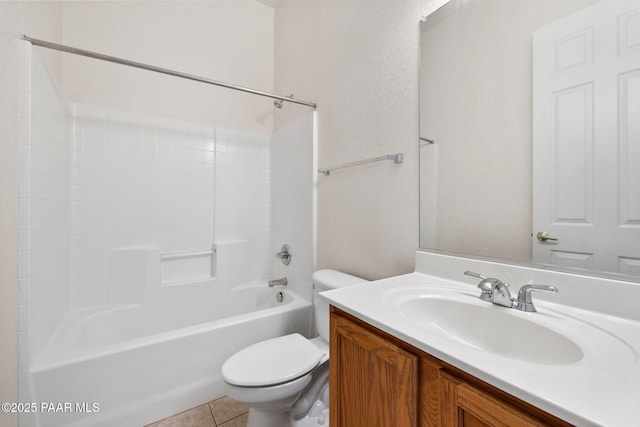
x=258, y=418
x=318, y=416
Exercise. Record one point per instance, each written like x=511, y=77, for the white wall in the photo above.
x=130, y=165
x=123, y=194
x=359, y=61
x=145, y=188
x=228, y=41
x=119, y=170
x=44, y=212
x=293, y=212
x=243, y=206
x=9, y=83
x=15, y=18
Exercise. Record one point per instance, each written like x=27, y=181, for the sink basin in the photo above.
x=491, y=329
x=454, y=318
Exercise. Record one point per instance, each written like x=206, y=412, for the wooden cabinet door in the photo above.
x=373, y=383
x=464, y=405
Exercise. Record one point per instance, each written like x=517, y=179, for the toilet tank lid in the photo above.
x=333, y=279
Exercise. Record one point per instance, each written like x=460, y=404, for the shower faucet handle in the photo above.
x=285, y=254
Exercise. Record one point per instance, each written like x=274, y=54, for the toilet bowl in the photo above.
x=284, y=380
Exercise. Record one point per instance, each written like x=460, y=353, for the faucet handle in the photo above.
x=476, y=275
x=487, y=285
x=284, y=255
x=524, y=301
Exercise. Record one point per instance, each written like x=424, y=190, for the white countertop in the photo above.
x=601, y=389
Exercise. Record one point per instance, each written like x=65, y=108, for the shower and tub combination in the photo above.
x=142, y=362
x=147, y=245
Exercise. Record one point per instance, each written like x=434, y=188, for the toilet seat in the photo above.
x=271, y=362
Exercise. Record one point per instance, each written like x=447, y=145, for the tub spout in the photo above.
x=278, y=282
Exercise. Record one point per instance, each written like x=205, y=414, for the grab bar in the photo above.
x=397, y=158
x=175, y=255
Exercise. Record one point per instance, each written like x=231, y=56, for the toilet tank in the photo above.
x=326, y=280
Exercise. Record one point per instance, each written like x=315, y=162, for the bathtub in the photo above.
x=130, y=365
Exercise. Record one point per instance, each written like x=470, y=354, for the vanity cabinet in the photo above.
x=465, y=405
x=377, y=380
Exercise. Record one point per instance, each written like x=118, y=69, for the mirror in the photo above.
x=529, y=133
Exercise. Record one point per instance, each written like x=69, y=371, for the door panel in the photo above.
x=572, y=188
x=586, y=139
x=629, y=158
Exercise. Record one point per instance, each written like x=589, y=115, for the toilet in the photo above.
x=285, y=380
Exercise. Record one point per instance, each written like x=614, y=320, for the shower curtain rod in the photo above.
x=102, y=57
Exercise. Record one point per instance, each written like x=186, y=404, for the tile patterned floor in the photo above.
x=223, y=412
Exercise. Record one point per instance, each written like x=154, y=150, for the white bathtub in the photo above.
x=131, y=365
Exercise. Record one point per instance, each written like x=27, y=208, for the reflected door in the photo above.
x=586, y=139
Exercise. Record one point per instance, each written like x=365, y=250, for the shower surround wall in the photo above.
x=44, y=213
x=293, y=220
x=143, y=194
x=120, y=207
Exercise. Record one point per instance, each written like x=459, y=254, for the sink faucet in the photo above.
x=524, y=301
x=493, y=290
x=497, y=292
